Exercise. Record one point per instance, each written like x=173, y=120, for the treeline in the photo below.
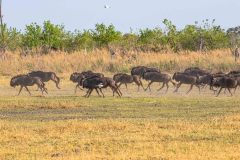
x=41, y=39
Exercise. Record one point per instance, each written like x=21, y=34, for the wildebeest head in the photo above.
x=15, y=80
x=74, y=76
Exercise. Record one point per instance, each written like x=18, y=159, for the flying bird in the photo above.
x=106, y=6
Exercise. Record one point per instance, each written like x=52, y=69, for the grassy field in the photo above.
x=140, y=125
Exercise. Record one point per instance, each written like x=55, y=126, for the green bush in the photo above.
x=47, y=37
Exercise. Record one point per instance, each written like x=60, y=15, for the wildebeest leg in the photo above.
x=56, y=81
x=190, y=88
x=126, y=86
x=113, y=90
x=90, y=92
x=230, y=91
x=178, y=85
x=27, y=90
x=42, y=90
x=199, y=88
x=57, y=84
x=87, y=93
x=149, y=86
x=20, y=90
x=45, y=89
x=77, y=86
x=219, y=91
x=117, y=90
x=97, y=92
x=161, y=86
x=141, y=84
x=167, y=87
x=101, y=92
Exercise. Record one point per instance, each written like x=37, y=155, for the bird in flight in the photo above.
x=106, y=6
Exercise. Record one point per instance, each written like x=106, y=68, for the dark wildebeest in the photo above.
x=184, y=78
x=225, y=82
x=91, y=84
x=76, y=77
x=104, y=81
x=46, y=76
x=158, y=77
x=25, y=80
x=123, y=78
x=140, y=70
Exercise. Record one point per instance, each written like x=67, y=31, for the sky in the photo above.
x=125, y=15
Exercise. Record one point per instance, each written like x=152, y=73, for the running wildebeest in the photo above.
x=91, y=84
x=158, y=77
x=76, y=77
x=25, y=80
x=99, y=82
x=225, y=82
x=123, y=78
x=184, y=78
x=46, y=76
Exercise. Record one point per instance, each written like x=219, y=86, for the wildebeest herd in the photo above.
x=90, y=80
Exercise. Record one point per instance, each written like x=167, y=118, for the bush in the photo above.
x=43, y=39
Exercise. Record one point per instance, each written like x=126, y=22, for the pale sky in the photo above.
x=123, y=14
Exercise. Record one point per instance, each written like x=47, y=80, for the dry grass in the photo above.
x=216, y=138
x=100, y=60
x=138, y=126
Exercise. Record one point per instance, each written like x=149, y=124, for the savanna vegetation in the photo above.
x=139, y=125
x=42, y=39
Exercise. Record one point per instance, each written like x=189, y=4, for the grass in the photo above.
x=140, y=125
x=64, y=64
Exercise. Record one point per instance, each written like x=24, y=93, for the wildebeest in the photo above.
x=91, y=84
x=184, y=78
x=76, y=77
x=100, y=82
x=225, y=82
x=25, y=80
x=46, y=76
x=157, y=77
x=140, y=70
x=123, y=78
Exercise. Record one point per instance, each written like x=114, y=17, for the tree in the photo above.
x=104, y=35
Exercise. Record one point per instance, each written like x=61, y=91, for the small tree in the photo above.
x=53, y=36
x=32, y=38
x=104, y=35
x=172, y=35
